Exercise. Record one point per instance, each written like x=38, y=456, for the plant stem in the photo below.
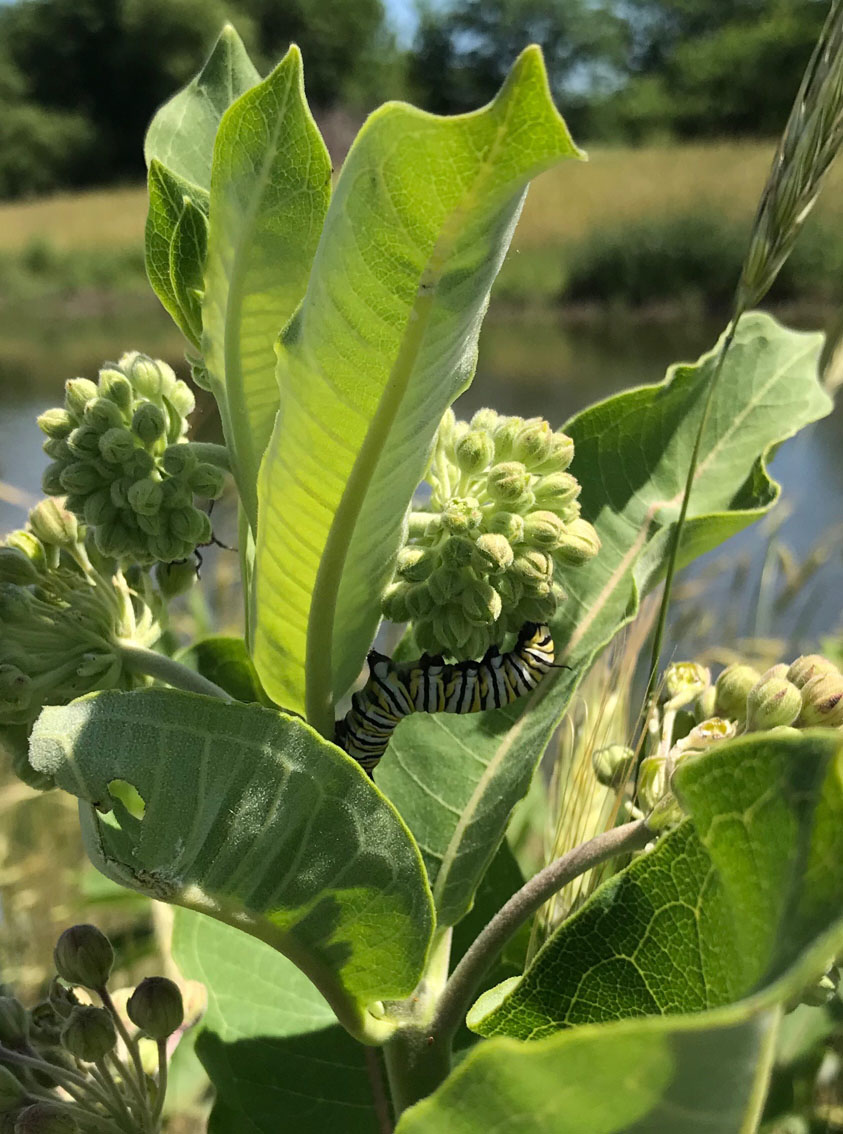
x=123, y=1113
x=142, y=660
x=212, y=454
x=673, y=555
x=416, y=1063
x=162, y=1085
x=466, y=977
x=136, y=1082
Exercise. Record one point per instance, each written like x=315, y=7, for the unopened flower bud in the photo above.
x=822, y=698
x=505, y=433
x=54, y=525
x=150, y=377
x=149, y=423
x=83, y=955
x=508, y=482
x=481, y=603
x=462, y=516
x=508, y=524
x=207, y=480
x=444, y=584
x=139, y=465
x=14, y=1022
x=88, y=1033
x=156, y=1007
x=45, y=1118
x=16, y=568
x=652, y=781
x=451, y=627
x=560, y=454
x=415, y=564
x=57, y=424
x=419, y=601
x=579, y=543
x=613, y=765
x=190, y=525
x=394, y=602
x=808, y=666
x=732, y=689
x=492, y=553
x=423, y=524
x=115, y=386
x=556, y=490
x=532, y=443
x=181, y=399
x=117, y=445
x=485, y=419
x=772, y=701
x=456, y=552
x=84, y=442
x=533, y=568
x=28, y=544
x=510, y=588
x=77, y=393
x=179, y=460
x=683, y=681
x=474, y=451
x=99, y=508
x=11, y=1091
x=102, y=414
x=61, y=998
x=81, y=478
x=705, y=704
x=51, y=479
x=175, y=578
x=145, y=496
x=543, y=530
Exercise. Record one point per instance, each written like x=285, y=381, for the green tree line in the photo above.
x=79, y=79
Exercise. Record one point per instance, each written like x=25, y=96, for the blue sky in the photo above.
x=402, y=14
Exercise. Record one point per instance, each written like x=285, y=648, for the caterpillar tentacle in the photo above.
x=430, y=685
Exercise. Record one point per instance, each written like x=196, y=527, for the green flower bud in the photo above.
x=51, y=479
x=16, y=568
x=508, y=482
x=12, y=1093
x=102, y=414
x=506, y=431
x=456, y=552
x=207, y=481
x=534, y=570
x=176, y=578
x=451, y=628
x=508, y=524
x=445, y=583
x=84, y=442
x=169, y=548
x=394, y=602
x=179, y=460
x=156, y=1007
x=145, y=496
x=56, y=424
x=822, y=698
x=421, y=525
x=481, y=603
x=88, y=1033
x=14, y=1022
x=779, y=670
x=176, y=494
x=117, y=388
x=462, y=516
x=419, y=601
x=652, y=782
x=705, y=705
x=54, y=525
x=559, y=456
x=30, y=546
x=150, y=378
x=533, y=443
x=474, y=451
x=579, y=543
x=732, y=688
x=536, y=608
x=485, y=420
x=556, y=490
x=114, y=540
x=45, y=1118
x=57, y=450
x=61, y=998
x=543, y=530
x=808, y=666
x=99, y=508
x=510, y=588
x=44, y=1024
x=83, y=955
x=772, y=701
x=415, y=564
x=493, y=553
x=190, y=525
x=613, y=765
x=117, y=445
x=141, y=464
x=149, y=423
x=77, y=393
x=119, y=492
x=683, y=681
x=181, y=399
x=80, y=478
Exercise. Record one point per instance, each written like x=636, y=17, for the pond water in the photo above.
x=530, y=366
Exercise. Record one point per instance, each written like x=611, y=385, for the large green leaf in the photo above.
x=270, y=187
x=384, y=341
x=226, y=661
x=181, y=135
x=270, y=1043
x=252, y=818
x=722, y=906
x=455, y=780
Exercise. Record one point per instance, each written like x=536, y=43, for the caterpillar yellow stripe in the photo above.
x=430, y=685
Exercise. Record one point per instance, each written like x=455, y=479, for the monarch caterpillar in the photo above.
x=429, y=685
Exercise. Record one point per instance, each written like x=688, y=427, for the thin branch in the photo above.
x=153, y=664
x=466, y=977
x=380, y=1101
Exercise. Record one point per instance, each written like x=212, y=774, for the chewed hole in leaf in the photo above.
x=128, y=795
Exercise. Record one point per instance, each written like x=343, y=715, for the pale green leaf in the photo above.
x=270, y=1043
x=181, y=134
x=456, y=779
x=270, y=187
x=188, y=249
x=226, y=661
x=385, y=339
x=253, y=818
x=722, y=906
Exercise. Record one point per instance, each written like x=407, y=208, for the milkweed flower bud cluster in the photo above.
x=693, y=714
x=65, y=1040
x=63, y=610
x=120, y=453
x=503, y=514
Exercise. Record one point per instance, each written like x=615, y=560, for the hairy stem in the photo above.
x=212, y=454
x=137, y=1081
x=153, y=664
x=466, y=977
x=162, y=1085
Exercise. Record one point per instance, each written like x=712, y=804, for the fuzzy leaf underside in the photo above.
x=456, y=779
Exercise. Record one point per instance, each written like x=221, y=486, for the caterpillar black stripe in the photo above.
x=430, y=685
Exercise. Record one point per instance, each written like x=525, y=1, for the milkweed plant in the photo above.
x=332, y=831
